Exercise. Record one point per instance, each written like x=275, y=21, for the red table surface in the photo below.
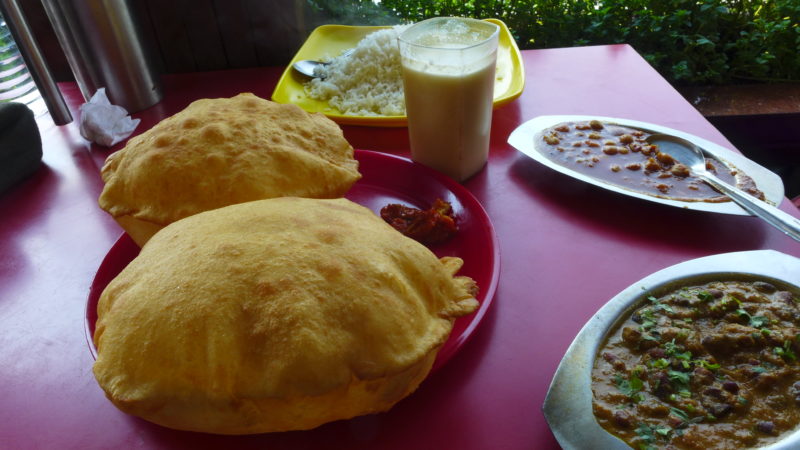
x=566, y=248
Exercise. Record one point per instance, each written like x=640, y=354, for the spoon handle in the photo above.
x=774, y=216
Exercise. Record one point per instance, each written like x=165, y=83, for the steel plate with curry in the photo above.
x=621, y=156
x=706, y=366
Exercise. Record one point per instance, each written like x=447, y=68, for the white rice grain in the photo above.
x=367, y=82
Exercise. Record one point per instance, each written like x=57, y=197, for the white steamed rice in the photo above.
x=367, y=82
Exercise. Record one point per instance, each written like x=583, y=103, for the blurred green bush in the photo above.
x=690, y=42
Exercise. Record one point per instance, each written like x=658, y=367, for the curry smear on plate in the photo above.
x=621, y=156
x=710, y=366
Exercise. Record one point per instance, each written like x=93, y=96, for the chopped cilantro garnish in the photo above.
x=706, y=364
x=665, y=308
x=684, y=417
x=753, y=321
x=679, y=413
x=658, y=306
x=649, y=435
x=679, y=378
x=647, y=324
x=631, y=387
x=663, y=431
x=670, y=348
x=660, y=363
x=704, y=296
x=786, y=351
x=673, y=350
x=652, y=336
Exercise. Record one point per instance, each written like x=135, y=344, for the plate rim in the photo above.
x=280, y=95
x=451, y=346
x=522, y=138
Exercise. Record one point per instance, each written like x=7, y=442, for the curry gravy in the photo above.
x=621, y=156
x=711, y=366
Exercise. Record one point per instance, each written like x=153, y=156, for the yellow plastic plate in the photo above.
x=328, y=41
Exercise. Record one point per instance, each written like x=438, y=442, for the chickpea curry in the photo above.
x=711, y=366
x=622, y=157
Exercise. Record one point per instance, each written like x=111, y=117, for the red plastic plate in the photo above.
x=385, y=179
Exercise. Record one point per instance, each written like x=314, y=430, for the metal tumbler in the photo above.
x=104, y=46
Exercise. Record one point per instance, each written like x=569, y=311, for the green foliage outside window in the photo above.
x=690, y=42
x=8, y=50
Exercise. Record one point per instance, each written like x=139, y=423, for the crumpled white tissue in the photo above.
x=104, y=123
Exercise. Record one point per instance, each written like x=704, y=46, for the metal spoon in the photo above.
x=692, y=156
x=307, y=66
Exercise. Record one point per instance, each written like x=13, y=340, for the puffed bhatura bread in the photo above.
x=219, y=152
x=275, y=315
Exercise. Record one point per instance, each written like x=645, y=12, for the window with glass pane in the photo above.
x=16, y=83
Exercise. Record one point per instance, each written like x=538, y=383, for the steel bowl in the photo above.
x=568, y=405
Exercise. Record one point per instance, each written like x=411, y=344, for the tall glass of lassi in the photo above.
x=448, y=78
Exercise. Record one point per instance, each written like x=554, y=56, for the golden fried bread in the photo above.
x=219, y=152
x=274, y=315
